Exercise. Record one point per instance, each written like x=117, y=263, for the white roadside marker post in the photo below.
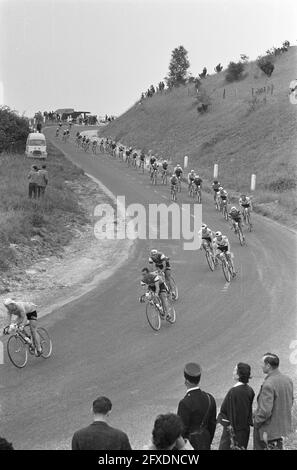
x=253, y=182
x=215, y=170
x=186, y=161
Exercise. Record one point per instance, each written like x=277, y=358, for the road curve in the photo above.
x=104, y=346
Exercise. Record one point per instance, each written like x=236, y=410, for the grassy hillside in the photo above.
x=241, y=133
x=30, y=229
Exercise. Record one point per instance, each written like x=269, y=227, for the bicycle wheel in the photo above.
x=226, y=270
x=17, y=351
x=45, y=343
x=198, y=197
x=174, y=289
x=209, y=260
x=153, y=316
x=249, y=222
x=225, y=213
x=171, y=314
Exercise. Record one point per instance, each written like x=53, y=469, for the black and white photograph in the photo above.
x=148, y=221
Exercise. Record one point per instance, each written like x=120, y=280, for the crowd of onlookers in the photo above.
x=193, y=425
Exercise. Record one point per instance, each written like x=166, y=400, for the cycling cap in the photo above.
x=218, y=234
x=8, y=302
x=154, y=252
x=220, y=188
x=204, y=226
x=233, y=208
x=192, y=171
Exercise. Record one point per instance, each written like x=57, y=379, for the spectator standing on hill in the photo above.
x=34, y=180
x=167, y=434
x=99, y=435
x=273, y=417
x=236, y=410
x=43, y=173
x=197, y=410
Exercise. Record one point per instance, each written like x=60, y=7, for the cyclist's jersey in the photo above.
x=222, y=244
x=67, y=132
x=164, y=165
x=235, y=215
x=223, y=195
x=150, y=280
x=128, y=152
x=206, y=234
x=173, y=180
x=142, y=157
x=191, y=177
x=64, y=133
x=60, y=124
x=84, y=138
x=135, y=155
x=152, y=160
x=246, y=203
x=178, y=171
x=155, y=166
x=215, y=186
x=198, y=181
x=113, y=146
x=87, y=141
x=160, y=260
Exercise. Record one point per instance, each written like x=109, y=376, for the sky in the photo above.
x=100, y=55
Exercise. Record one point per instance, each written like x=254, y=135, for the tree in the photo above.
x=203, y=74
x=286, y=45
x=234, y=71
x=14, y=129
x=218, y=68
x=178, y=67
x=266, y=65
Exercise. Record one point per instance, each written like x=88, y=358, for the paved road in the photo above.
x=103, y=345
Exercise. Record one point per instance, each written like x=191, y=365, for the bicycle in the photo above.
x=208, y=255
x=164, y=177
x=141, y=165
x=94, y=147
x=87, y=146
x=238, y=231
x=134, y=162
x=178, y=184
x=20, y=342
x=173, y=192
x=225, y=210
x=217, y=201
x=198, y=194
x=191, y=190
x=226, y=266
x=154, y=177
x=154, y=310
x=128, y=162
x=247, y=218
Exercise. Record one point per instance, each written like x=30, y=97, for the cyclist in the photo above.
x=178, y=171
x=67, y=133
x=235, y=216
x=222, y=245
x=197, y=182
x=224, y=196
x=141, y=159
x=216, y=188
x=152, y=161
x=60, y=125
x=64, y=135
x=134, y=156
x=154, y=168
x=245, y=203
x=164, y=166
x=191, y=177
x=128, y=153
x=94, y=146
x=161, y=262
x=207, y=238
x=57, y=131
x=157, y=286
x=24, y=311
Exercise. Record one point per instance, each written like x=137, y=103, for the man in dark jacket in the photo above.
x=236, y=410
x=197, y=410
x=99, y=435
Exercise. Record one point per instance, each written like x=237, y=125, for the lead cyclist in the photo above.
x=162, y=263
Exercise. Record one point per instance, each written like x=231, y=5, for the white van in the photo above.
x=36, y=146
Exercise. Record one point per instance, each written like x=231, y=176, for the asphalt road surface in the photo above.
x=103, y=344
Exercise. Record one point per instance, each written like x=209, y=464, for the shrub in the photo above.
x=234, y=71
x=14, y=130
x=265, y=64
x=218, y=68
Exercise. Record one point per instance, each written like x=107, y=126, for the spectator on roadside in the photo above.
x=236, y=409
x=5, y=445
x=197, y=410
x=167, y=434
x=34, y=180
x=273, y=416
x=43, y=173
x=39, y=126
x=99, y=435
